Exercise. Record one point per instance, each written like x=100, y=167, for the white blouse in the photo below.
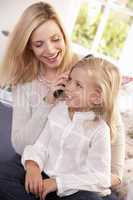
x=75, y=152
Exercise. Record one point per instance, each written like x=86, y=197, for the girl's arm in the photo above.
x=26, y=126
x=118, y=154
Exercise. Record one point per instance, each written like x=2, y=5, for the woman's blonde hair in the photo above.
x=107, y=78
x=20, y=65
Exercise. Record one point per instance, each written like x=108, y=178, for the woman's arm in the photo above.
x=38, y=152
x=118, y=154
x=26, y=125
x=33, y=160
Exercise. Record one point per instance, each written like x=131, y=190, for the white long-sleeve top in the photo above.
x=75, y=152
x=30, y=115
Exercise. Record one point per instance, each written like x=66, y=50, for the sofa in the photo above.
x=6, y=150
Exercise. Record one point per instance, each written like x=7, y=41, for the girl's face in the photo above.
x=80, y=91
x=48, y=44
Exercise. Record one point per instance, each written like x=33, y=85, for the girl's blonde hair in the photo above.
x=20, y=65
x=107, y=78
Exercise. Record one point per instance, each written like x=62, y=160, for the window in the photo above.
x=102, y=26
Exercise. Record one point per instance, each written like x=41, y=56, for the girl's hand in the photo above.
x=33, y=178
x=49, y=185
x=115, y=181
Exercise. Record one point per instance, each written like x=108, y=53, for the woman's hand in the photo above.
x=49, y=185
x=59, y=83
x=33, y=178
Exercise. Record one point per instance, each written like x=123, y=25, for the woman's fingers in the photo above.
x=31, y=187
x=27, y=186
x=61, y=78
x=34, y=186
x=40, y=188
x=60, y=81
x=43, y=195
x=63, y=75
x=58, y=84
x=37, y=187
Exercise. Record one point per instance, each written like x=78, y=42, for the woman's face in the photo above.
x=48, y=44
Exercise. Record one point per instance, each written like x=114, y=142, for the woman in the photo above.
x=37, y=62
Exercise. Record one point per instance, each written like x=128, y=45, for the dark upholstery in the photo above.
x=6, y=150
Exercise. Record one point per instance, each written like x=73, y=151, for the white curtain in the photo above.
x=126, y=60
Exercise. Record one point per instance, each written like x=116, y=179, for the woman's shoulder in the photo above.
x=76, y=58
x=25, y=88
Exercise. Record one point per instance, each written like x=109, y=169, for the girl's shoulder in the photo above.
x=99, y=129
x=97, y=126
x=58, y=113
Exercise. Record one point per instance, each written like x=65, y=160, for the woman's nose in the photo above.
x=49, y=49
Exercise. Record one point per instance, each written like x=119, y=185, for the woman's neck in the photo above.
x=50, y=74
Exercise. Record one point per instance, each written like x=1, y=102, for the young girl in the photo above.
x=74, y=148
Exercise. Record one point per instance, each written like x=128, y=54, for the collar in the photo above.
x=89, y=115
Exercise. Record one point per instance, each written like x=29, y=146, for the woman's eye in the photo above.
x=55, y=39
x=37, y=46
